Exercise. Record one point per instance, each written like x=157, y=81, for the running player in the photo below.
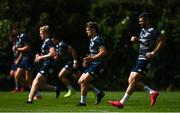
x=25, y=58
x=150, y=43
x=93, y=63
x=48, y=51
x=67, y=59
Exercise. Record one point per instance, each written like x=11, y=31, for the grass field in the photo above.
x=139, y=102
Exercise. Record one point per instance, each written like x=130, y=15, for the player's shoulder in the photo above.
x=98, y=38
x=62, y=43
x=48, y=41
x=152, y=30
x=23, y=35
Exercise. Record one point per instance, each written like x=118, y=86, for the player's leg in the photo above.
x=141, y=67
x=63, y=76
x=37, y=95
x=47, y=86
x=144, y=87
x=27, y=81
x=153, y=93
x=12, y=73
x=27, y=66
x=39, y=80
x=145, y=65
x=99, y=94
x=84, y=81
x=30, y=78
x=19, y=72
x=76, y=75
x=97, y=70
x=131, y=86
x=133, y=80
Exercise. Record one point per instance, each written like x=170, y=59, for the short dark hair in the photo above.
x=92, y=25
x=16, y=25
x=55, y=35
x=145, y=15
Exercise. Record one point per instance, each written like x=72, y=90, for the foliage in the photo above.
x=117, y=21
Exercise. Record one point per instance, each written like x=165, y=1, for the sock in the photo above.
x=96, y=91
x=16, y=87
x=70, y=87
x=83, y=99
x=148, y=89
x=38, y=93
x=125, y=98
x=29, y=100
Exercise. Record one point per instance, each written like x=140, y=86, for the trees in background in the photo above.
x=118, y=22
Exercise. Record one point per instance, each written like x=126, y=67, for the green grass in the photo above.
x=139, y=102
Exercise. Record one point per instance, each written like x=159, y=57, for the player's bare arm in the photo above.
x=160, y=43
x=102, y=53
x=23, y=49
x=52, y=53
x=74, y=55
x=18, y=58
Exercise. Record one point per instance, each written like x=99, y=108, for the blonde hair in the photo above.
x=44, y=29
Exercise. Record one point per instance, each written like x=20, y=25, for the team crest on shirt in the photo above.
x=92, y=73
x=139, y=70
x=42, y=72
x=92, y=44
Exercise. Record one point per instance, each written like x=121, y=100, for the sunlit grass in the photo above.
x=138, y=102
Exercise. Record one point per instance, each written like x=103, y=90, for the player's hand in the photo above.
x=134, y=39
x=37, y=54
x=56, y=58
x=87, y=60
x=85, y=64
x=38, y=58
x=150, y=55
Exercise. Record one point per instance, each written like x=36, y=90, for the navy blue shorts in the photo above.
x=25, y=64
x=47, y=68
x=95, y=69
x=14, y=67
x=69, y=65
x=141, y=66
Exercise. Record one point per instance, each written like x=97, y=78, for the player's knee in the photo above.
x=16, y=75
x=129, y=80
x=134, y=79
x=61, y=76
x=79, y=81
x=82, y=82
x=131, y=77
